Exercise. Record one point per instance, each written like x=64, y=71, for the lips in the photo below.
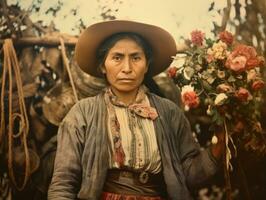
x=125, y=79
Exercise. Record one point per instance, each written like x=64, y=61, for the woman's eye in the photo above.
x=116, y=58
x=136, y=58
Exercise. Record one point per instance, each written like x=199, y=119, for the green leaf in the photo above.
x=209, y=42
x=200, y=59
x=231, y=79
x=188, y=72
x=206, y=85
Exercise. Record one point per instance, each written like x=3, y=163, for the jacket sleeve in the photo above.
x=67, y=174
x=198, y=164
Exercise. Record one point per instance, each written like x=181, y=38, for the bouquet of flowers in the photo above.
x=224, y=79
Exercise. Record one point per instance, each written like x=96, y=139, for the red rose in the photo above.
x=226, y=37
x=258, y=61
x=243, y=94
x=190, y=99
x=257, y=85
x=172, y=72
x=197, y=37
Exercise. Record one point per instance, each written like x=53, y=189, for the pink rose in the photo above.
x=226, y=37
x=237, y=64
x=197, y=37
x=250, y=54
x=172, y=72
x=243, y=94
x=190, y=99
x=257, y=85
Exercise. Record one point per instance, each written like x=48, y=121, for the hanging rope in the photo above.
x=66, y=64
x=227, y=162
x=11, y=68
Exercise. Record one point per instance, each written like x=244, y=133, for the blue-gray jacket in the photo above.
x=81, y=161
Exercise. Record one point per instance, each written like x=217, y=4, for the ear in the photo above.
x=102, y=68
x=147, y=68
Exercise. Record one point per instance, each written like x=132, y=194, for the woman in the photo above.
x=127, y=143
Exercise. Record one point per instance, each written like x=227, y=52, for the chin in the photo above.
x=126, y=88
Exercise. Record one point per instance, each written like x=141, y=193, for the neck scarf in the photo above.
x=139, y=107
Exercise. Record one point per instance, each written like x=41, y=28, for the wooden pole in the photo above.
x=43, y=41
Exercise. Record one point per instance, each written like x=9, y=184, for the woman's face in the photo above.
x=125, y=66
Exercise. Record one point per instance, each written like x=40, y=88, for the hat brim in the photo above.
x=162, y=43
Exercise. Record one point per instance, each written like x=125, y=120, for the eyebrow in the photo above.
x=122, y=54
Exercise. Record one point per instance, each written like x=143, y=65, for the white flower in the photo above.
x=214, y=139
x=186, y=108
x=251, y=75
x=187, y=88
x=178, y=60
x=198, y=67
x=211, y=69
x=220, y=74
x=220, y=99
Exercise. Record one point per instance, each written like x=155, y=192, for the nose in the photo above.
x=127, y=66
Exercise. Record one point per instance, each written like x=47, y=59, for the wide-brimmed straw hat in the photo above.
x=162, y=44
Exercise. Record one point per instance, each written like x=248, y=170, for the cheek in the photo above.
x=111, y=73
x=108, y=67
x=142, y=71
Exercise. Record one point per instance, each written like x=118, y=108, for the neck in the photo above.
x=126, y=97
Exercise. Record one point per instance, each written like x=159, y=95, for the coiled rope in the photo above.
x=11, y=68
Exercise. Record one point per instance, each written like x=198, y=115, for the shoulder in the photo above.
x=162, y=102
x=90, y=102
x=83, y=107
x=166, y=107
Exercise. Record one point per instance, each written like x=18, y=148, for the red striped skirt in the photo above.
x=114, y=196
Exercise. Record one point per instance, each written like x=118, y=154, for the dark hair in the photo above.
x=108, y=43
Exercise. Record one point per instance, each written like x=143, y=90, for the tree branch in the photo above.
x=226, y=16
x=5, y=13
